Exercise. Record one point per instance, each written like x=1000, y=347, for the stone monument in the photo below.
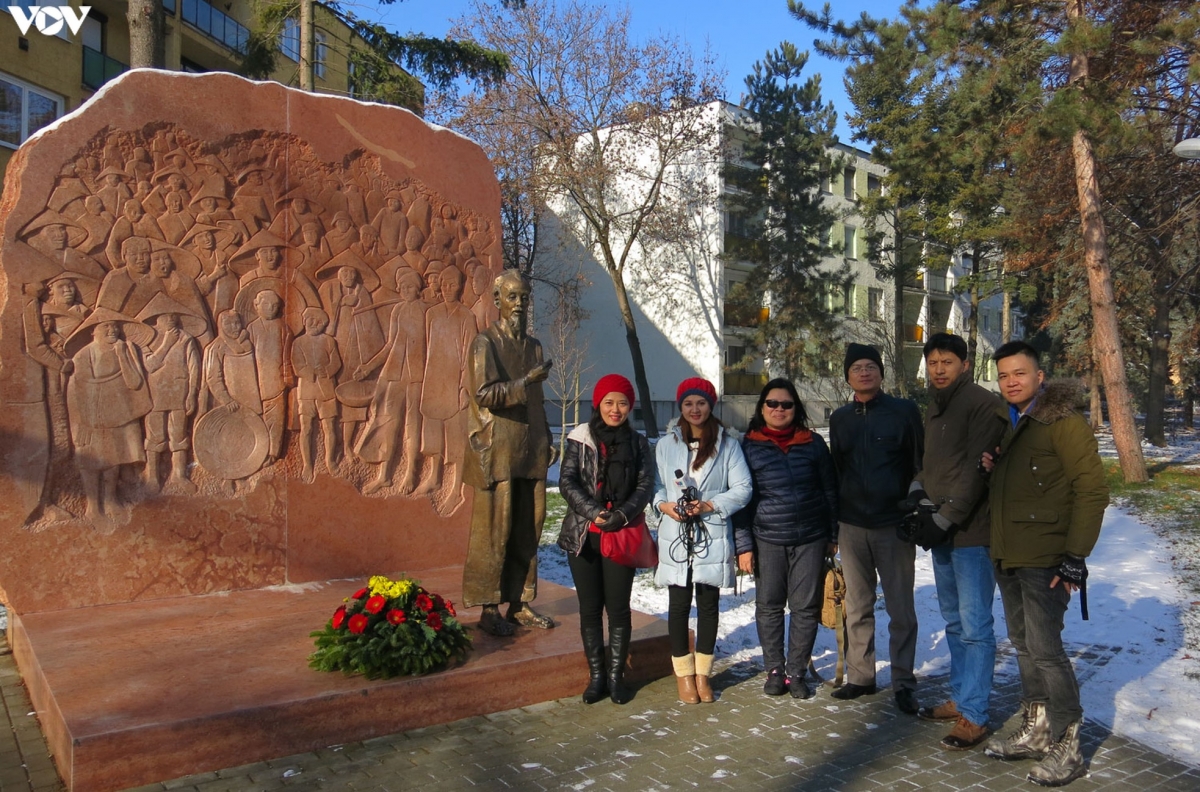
x=233, y=331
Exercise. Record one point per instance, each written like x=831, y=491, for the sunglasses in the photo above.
x=780, y=405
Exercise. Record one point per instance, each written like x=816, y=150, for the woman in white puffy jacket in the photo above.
x=695, y=543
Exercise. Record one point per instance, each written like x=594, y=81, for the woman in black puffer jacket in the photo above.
x=607, y=478
x=786, y=531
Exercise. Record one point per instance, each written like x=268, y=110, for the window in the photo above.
x=735, y=224
x=848, y=184
x=875, y=305
x=987, y=320
x=826, y=185
x=289, y=39
x=851, y=242
x=734, y=354
x=321, y=50
x=826, y=236
x=24, y=110
x=93, y=32
x=874, y=185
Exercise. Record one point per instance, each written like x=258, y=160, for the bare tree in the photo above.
x=621, y=131
x=566, y=345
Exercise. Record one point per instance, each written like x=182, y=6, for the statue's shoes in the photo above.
x=528, y=617
x=493, y=623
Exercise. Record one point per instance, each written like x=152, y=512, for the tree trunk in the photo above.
x=973, y=319
x=307, y=45
x=1160, y=350
x=635, y=352
x=1097, y=403
x=147, y=34
x=901, y=374
x=1106, y=337
x=1006, y=319
x=1189, y=408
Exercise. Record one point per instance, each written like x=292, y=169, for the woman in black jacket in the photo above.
x=786, y=531
x=607, y=478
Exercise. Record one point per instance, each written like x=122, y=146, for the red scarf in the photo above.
x=784, y=438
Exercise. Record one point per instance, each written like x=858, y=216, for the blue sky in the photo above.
x=739, y=32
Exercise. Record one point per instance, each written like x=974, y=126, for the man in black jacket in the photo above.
x=877, y=442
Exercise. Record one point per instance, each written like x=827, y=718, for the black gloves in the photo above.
x=615, y=522
x=1073, y=570
x=914, y=499
x=925, y=528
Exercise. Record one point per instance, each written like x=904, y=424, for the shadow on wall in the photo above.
x=675, y=301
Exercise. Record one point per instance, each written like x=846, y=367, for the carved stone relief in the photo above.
x=204, y=313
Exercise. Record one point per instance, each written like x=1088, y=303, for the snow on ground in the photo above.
x=1136, y=675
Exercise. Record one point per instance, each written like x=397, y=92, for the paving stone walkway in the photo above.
x=743, y=741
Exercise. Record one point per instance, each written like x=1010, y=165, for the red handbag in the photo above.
x=630, y=546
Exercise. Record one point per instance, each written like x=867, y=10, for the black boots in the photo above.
x=618, y=645
x=593, y=648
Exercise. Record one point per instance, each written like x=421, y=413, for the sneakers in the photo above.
x=1030, y=741
x=906, y=701
x=776, y=684
x=965, y=735
x=850, y=691
x=946, y=711
x=799, y=688
x=1063, y=763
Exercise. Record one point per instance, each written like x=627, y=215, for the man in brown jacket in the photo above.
x=961, y=423
x=1048, y=495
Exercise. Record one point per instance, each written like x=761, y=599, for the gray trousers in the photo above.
x=1034, y=613
x=872, y=556
x=792, y=576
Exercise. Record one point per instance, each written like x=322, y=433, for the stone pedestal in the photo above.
x=129, y=694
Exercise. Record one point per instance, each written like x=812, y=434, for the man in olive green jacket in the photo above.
x=1048, y=495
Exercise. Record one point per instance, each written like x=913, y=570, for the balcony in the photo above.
x=744, y=383
x=914, y=334
x=98, y=68
x=742, y=316
x=217, y=25
x=931, y=282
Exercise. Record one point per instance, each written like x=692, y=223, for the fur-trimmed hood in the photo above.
x=1058, y=399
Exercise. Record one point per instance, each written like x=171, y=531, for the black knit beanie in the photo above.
x=857, y=352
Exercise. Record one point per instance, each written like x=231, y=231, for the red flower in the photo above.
x=362, y=592
x=358, y=623
x=450, y=608
x=424, y=602
x=396, y=616
x=434, y=621
x=339, y=617
x=438, y=602
x=375, y=604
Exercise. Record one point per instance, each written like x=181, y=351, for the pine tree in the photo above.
x=776, y=180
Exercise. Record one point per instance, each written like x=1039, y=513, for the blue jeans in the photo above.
x=966, y=587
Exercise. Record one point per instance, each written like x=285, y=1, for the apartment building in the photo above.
x=45, y=75
x=678, y=295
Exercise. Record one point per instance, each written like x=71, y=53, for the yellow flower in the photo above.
x=390, y=589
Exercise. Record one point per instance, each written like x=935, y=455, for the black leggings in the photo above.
x=679, y=607
x=601, y=585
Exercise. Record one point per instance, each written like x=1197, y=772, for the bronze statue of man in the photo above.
x=508, y=452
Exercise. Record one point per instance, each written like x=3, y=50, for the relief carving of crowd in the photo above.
x=219, y=313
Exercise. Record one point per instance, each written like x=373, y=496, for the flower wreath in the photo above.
x=390, y=628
